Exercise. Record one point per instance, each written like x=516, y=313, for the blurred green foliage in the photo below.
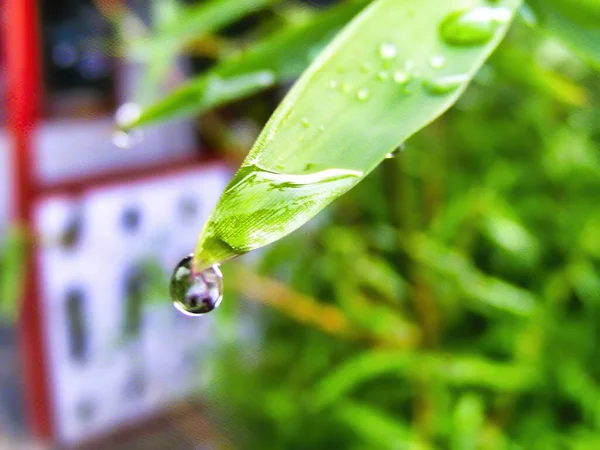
x=449, y=301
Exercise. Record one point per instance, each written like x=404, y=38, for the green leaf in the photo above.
x=575, y=22
x=12, y=266
x=278, y=58
x=385, y=76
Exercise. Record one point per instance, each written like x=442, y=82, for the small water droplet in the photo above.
x=401, y=77
x=195, y=294
x=437, y=62
x=123, y=139
x=366, y=68
x=395, y=152
x=444, y=85
x=382, y=75
x=474, y=26
x=333, y=84
x=363, y=94
x=305, y=123
x=388, y=50
x=127, y=113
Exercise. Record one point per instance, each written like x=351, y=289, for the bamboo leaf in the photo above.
x=575, y=22
x=280, y=57
x=390, y=72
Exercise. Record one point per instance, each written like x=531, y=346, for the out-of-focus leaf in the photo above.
x=278, y=58
x=12, y=260
x=390, y=72
x=374, y=427
x=532, y=76
x=575, y=22
x=489, y=291
x=467, y=421
x=457, y=370
x=196, y=21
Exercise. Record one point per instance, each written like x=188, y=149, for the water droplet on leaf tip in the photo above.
x=127, y=113
x=437, y=62
x=363, y=94
x=472, y=27
x=388, y=50
x=195, y=294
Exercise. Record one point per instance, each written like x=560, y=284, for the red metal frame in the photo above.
x=23, y=92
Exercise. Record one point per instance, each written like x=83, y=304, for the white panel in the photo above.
x=122, y=380
x=75, y=148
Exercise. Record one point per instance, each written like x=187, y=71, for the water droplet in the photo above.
x=123, y=139
x=366, y=68
x=333, y=84
x=387, y=50
x=305, y=123
x=195, y=294
x=401, y=78
x=437, y=62
x=474, y=26
x=382, y=75
x=127, y=113
x=363, y=94
x=395, y=152
x=444, y=85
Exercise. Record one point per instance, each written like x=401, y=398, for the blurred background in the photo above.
x=450, y=301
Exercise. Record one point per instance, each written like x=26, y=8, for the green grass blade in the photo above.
x=385, y=76
x=280, y=57
x=575, y=22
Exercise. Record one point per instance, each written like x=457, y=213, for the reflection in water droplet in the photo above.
x=444, y=85
x=437, y=62
x=382, y=75
x=363, y=94
x=474, y=26
x=395, y=152
x=195, y=294
x=387, y=50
